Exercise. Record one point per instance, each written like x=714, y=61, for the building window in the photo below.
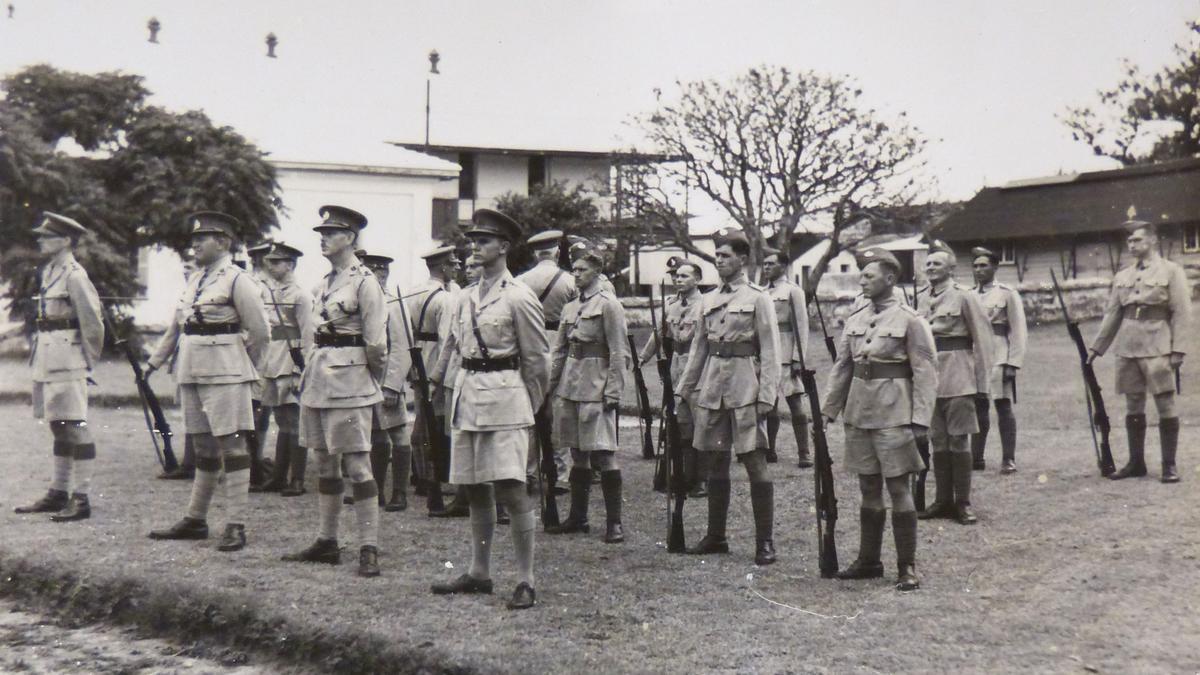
x=445, y=217
x=537, y=171
x=1191, y=239
x=466, y=177
x=1008, y=253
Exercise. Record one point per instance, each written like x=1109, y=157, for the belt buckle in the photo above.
x=870, y=371
x=1137, y=311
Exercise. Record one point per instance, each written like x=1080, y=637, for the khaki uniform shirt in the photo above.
x=554, y=297
x=787, y=295
x=893, y=333
x=289, y=313
x=737, y=311
x=510, y=323
x=683, y=313
x=67, y=293
x=349, y=302
x=957, y=312
x=399, y=359
x=596, y=318
x=1161, y=282
x=860, y=300
x=221, y=293
x=1006, y=313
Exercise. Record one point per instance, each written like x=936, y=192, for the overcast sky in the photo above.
x=983, y=80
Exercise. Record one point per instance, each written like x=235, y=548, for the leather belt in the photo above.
x=281, y=333
x=953, y=343
x=552, y=325
x=588, y=350
x=47, y=325
x=1000, y=329
x=211, y=328
x=785, y=326
x=328, y=340
x=1147, y=312
x=423, y=336
x=728, y=350
x=879, y=370
x=491, y=365
x=682, y=347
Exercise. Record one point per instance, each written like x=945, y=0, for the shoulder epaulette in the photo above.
x=910, y=310
x=756, y=287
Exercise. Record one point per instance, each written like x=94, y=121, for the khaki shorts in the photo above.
x=584, y=425
x=1152, y=374
x=485, y=456
x=727, y=429
x=891, y=451
x=999, y=387
x=217, y=409
x=336, y=430
x=683, y=413
x=790, y=383
x=384, y=417
x=279, y=391
x=953, y=416
x=61, y=401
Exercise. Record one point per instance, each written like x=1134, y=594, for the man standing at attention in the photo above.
x=70, y=333
x=1006, y=313
x=884, y=384
x=963, y=339
x=788, y=298
x=1147, y=317
x=218, y=339
x=731, y=381
x=499, y=330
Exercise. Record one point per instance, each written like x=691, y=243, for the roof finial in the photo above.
x=1131, y=213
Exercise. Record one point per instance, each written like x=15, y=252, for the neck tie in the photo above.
x=725, y=288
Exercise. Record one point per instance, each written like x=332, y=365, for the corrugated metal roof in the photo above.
x=1165, y=193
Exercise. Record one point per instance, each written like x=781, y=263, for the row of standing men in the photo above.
x=335, y=373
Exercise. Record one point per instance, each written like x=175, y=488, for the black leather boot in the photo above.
x=1168, y=435
x=714, y=540
x=1135, y=428
x=299, y=465
x=320, y=551
x=904, y=529
x=580, y=480
x=401, y=465
x=963, y=512
x=1007, y=422
x=610, y=485
x=381, y=457
x=867, y=565
x=943, y=474
x=762, y=501
x=77, y=508
x=187, y=529
x=54, y=501
x=283, y=460
x=233, y=539
x=979, y=440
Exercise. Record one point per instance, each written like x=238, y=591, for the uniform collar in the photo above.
x=685, y=298
x=887, y=304
x=736, y=282
x=218, y=264
x=547, y=263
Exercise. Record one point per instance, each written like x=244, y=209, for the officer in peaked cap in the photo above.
x=1006, y=313
x=555, y=287
x=289, y=311
x=1147, y=316
x=587, y=377
x=883, y=385
x=496, y=224
x=217, y=338
x=70, y=332
x=339, y=388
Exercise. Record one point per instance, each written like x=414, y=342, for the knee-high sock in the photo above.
x=522, y=529
x=872, y=522
x=237, y=486
x=84, y=461
x=483, y=528
x=610, y=485
x=204, y=486
x=64, y=461
x=366, y=509
x=329, y=502
x=1007, y=421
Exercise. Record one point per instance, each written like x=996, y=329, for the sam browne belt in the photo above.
x=879, y=370
x=491, y=365
x=47, y=325
x=190, y=328
x=953, y=343
x=328, y=340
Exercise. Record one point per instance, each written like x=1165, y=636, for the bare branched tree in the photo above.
x=771, y=147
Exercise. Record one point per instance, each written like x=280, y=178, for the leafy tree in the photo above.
x=550, y=206
x=1146, y=118
x=770, y=147
x=92, y=148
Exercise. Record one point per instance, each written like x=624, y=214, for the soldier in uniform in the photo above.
x=1006, y=313
x=389, y=425
x=262, y=412
x=289, y=311
x=884, y=385
x=500, y=332
x=340, y=387
x=588, y=376
x=683, y=314
x=788, y=297
x=1147, y=317
x=218, y=339
x=70, y=333
x=731, y=381
x=429, y=308
x=963, y=339
x=555, y=287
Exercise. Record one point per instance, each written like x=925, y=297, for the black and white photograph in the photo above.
x=451, y=336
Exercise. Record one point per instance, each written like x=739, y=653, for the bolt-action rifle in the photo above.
x=676, y=485
x=433, y=435
x=156, y=421
x=645, y=415
x=824, y=497
x=1097, y=415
